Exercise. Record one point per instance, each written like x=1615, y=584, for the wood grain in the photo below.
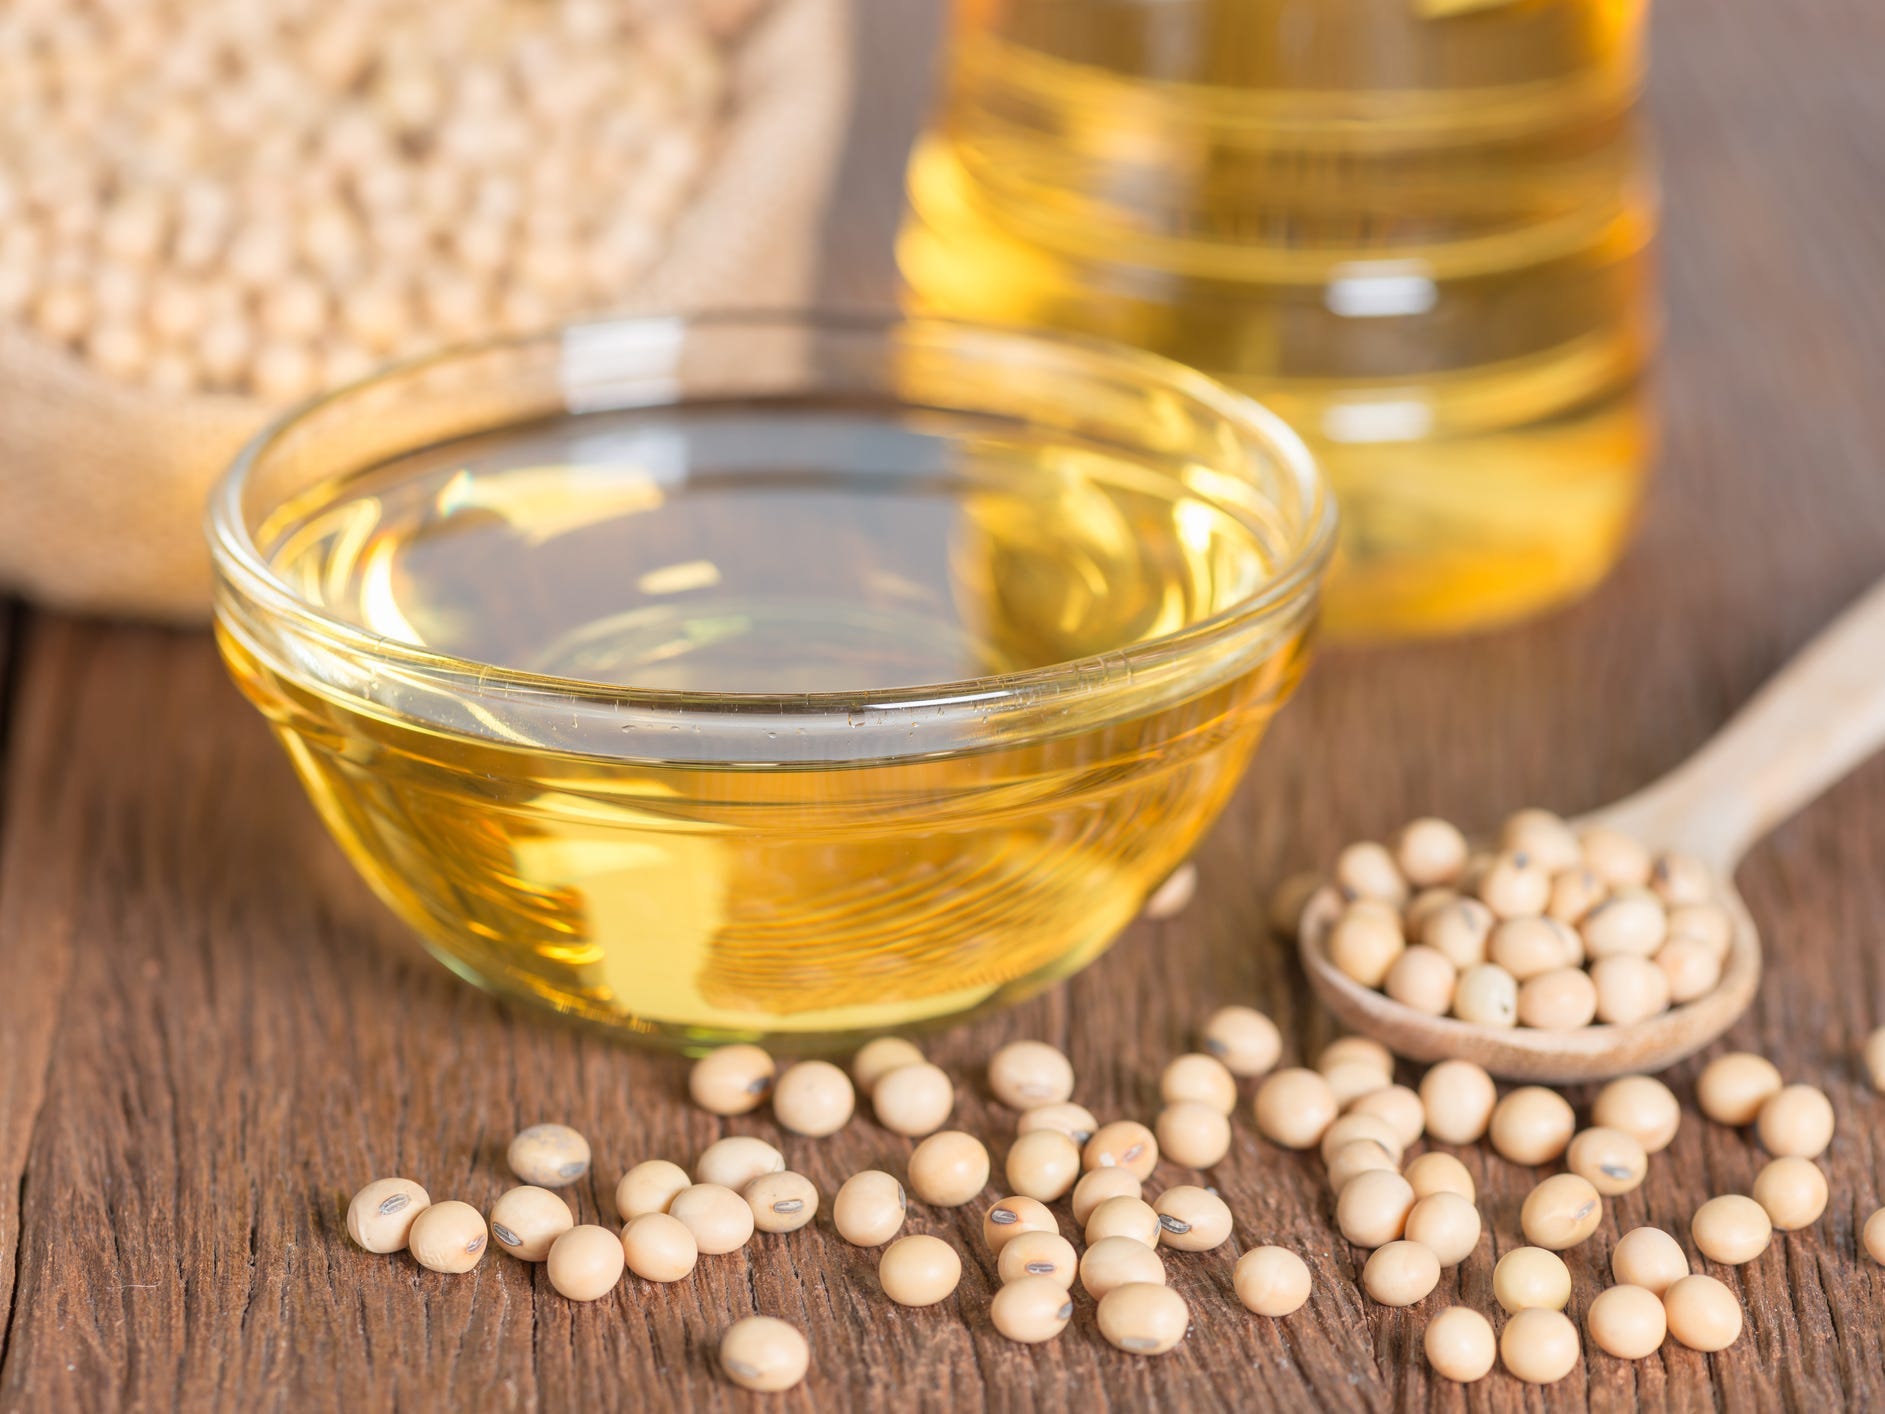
x=212, y=1034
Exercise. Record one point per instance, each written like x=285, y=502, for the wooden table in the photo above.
x=212, y=1034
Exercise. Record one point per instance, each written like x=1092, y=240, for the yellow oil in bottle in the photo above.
x=697, y=875
x=1418, y=229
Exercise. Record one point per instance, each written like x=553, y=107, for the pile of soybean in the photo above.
x=1414, y=1213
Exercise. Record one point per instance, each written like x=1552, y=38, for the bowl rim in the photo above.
x=240, y=565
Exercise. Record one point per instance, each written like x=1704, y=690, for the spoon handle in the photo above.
x=1811, y=723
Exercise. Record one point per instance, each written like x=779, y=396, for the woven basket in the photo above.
x=102, y=485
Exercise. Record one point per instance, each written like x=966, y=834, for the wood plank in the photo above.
x=212, y=1033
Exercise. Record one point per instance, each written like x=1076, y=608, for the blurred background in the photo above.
x=1426, y=231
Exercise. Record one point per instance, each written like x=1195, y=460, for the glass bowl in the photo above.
x=775, y=676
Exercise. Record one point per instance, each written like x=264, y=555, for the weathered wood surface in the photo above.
x=209, y=1033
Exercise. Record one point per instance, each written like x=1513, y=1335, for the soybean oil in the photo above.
x=700, y=878
x=1416, y=228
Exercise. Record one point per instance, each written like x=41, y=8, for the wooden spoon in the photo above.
x=1814, y=721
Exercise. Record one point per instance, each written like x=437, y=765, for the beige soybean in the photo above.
x=736, y=1161
x=1096, y=1187
x=648, y=1188
x=1704, y=923
x=1703, y=1313
x=1398, y=1106
x=1560, y=1000
x=1124, y=1217
x=1529, y=947
x=876, y=1059
x=1574, y=893
x=1630, y=923
x=1351, y=1127
x=1515, y=885
x=1039, y=1255
x=1124, y=1144
x=1440, y=1173
x=1640, y=1105
x=1681, y=879
x=732, y=1080
x=1024, y=1074
x=1732, y=1088
x=1629, y=989
x=1618, y=859
x=1118, y=1261
x=1294, y=1107
x=1487, y=995
x=1243, y=1039
x=918, y=1270
x=1561, y=1212
x=1174, y=896
x=1650, y=1258
x=1446, y=1225
x=781, y=1202
x=764, y=1353
x=949, y=1168
x=1610, y=1160
x=1074, y=1121
x=381, y=1215
x=1271, y=1281
x=1365, y=942
x=548, y=1155
x=717, y=1216
x=1793, y=1191
x=1874, y=1236
x=1425, y=905
x=525, y=1221
x=1543, y=835
x=1528, y=1277
x=1539, y=1345
x=1532, y=1125
x=1459, y=932
x=1627, y=1321
x=1031, y=1310
x=1143, y=1318
x=1011, y=1217
x=1423, y=980
x=1731, y=1229
x=1195, y=1135
x=1459, y=1098
x=585, y=1263
x=913, y=1100
x=660, y=1247
x=1043, y=1165
x=448, y=1237
x=1346, y=1051
x=1429, y=851
x=813, y=1098
x=1400, y=1274
x=1795, y=1120
x=1460, y=1344
x=1198, y=1079
x=1366, y=870
x=1873, y=1053
x=869, y=1208
x=1357, y=1157
x=1192, y=1219
x=1691, y=968
x=1372, y=1208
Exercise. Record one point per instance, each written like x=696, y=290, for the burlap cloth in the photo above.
x=102, y=485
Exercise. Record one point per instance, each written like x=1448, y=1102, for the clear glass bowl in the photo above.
x=783, y=676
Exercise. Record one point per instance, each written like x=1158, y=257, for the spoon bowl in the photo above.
x=1815, y=720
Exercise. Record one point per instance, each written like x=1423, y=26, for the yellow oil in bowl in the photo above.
x=795, y=704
